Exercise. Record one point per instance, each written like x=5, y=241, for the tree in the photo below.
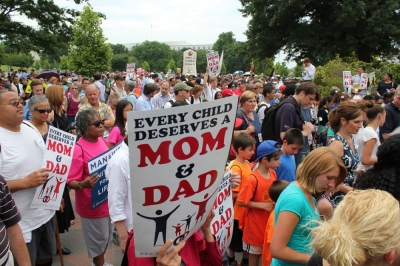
x=223, y=68
x=281, y=69
x=89, y=53
x=224, y=39
x=64, y=63
x=321, y=29
x=45, y=64
x=171, y=65
x=119, y=49
x=18, y=60
x=119, y=61
x=236, y=57
x=152, y=52
x=201, y=61
x=54, y=24
x=298, y=70
x=146, y=66
x=36, y=65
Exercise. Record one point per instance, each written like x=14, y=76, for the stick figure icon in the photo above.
x=202, y=206
x=161, y=223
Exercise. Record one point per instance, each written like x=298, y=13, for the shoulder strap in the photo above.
x=191, y=99
x=83, y=155
x=255, y=189
x=237, y=166
x=245, y=117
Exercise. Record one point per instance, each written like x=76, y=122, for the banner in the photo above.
x=177, y=161
x=364, y=80
x=371, y=81
x=189, y=62
x=57, y=158
x=213, y=63
x=130, y=72
x=98, y=165
x=347, y=81
x=222, y=224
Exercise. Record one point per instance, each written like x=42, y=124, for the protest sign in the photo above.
x=222, y=224
x=213, y=63
x=57, y=158
x=177, y=161
x=347, y=81
x=130, y=71
x=364, y=80
x=98, y=165
x=189, y=62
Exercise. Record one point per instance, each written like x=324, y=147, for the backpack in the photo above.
x=268, y=124
x=192, y=99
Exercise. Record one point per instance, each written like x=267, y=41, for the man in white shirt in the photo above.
x=357, y=79
x=21, y=158
x=161, y=98
x=309, y=70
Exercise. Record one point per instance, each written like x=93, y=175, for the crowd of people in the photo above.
x=309, y=172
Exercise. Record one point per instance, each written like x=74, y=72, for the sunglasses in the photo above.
x=16, y=104
x=97, y=123
x=42, y=111
x=74, y=88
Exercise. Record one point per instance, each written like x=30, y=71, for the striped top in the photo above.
x=9, y=215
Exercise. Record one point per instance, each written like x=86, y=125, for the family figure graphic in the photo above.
x=45, y=192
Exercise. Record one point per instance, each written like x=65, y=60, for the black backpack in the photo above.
x=268, y=124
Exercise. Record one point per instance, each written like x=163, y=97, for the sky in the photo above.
x=197, y=22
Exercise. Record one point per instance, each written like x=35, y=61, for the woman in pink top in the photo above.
x=96, y=223
x=73, y=102
x=117, y=133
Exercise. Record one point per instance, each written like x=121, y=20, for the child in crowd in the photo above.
x=292, y=142
x=244, y=147
x=268, y=96
x=274, y=191
x=255, y=197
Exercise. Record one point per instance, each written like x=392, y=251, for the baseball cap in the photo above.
x=227, y=92
x=182, y=86
x=266, y=148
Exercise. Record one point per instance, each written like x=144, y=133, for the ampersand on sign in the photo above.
x=184, y=171
x=58, y=158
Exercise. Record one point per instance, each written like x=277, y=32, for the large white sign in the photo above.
x=130, y=71
x=189, y=62
x=347, y=81
x=364, y=80
x=213, y=63
x=177, y=161
x=57, y=158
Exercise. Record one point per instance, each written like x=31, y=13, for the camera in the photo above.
x=314, y=121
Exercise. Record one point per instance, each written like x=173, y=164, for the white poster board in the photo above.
x=213, y=63
x=222, y=224
x=57, y=158
x=364, y=80
x=130, y=71
x=177, y=161
x=189, y=63
x=347, y=81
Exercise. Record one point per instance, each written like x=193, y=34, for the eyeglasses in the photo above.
x=42, y=111
x=97, y=123
x=16, y=104
x=74, y=88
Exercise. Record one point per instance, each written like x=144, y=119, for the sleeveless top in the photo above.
x=350, y=161
x=60, y=122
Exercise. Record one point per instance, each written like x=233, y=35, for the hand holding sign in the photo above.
x=172, y=258
x=37, y=178
x=90, y=181
x=235, y=180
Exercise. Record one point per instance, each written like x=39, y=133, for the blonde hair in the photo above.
x=247, y=95
x=364, y=227
x=318, y=162
x=196, y=89
x=259, y=85
x=213, y=79
x=114, y=96
x=55, y=95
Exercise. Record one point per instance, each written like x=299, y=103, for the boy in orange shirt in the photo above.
x=254, y=196
x=244, y=147
x=274, y=191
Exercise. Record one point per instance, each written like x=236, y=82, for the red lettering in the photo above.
x=203, y=180
x=149, y=195
x=215, y=227
x=184, y=189
x=209, y=141
x=59, y=148
x=56, y=168
x=178, y=148
x=147, y=152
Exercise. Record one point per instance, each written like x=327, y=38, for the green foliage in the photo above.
x=171, y=65
x=321, y=29
x=201, y=62
x=64, y=63
x=36, y=65
x=119, y=61
x=89, y=53
x=224, y=39
x=298, y=70
x=155, y=53
x=45, y=64
x=236, y=57
x=146, y=66
x=281, y=69
x=18, y=60
x=53, y=30
x=119, y=49
x=223, y=68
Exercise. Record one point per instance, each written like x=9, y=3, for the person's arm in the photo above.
x=337, y=147
x=325, y=209
x=205, y=78
x=211, y=254
x=284, y=228
x=32, y=180
x=122, y=234
x=18, y=246
x=266, y=206
x=366, y=158
x=388, y=127
x=109, y=122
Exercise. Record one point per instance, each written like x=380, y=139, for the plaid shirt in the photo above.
x=159, y=101
x=104, y=110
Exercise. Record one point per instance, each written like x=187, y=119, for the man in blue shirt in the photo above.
x=144, y=101
x=392, y=120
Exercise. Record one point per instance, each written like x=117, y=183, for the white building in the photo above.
x=178, y=45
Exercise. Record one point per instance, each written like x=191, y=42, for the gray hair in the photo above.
x=82, y=119
x=130, y=84
x=35, y=100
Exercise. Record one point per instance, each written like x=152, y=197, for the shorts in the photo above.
x=43, y=242
x=256, y=250
x=237, y=235
x=97, y=233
